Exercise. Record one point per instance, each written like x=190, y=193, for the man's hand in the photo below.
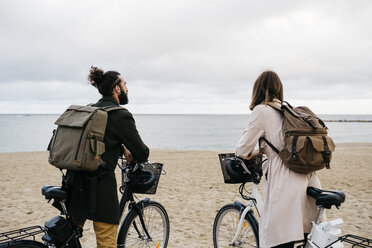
x=253, y=154
x=127, y=155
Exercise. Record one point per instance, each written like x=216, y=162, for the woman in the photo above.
x=287, y=211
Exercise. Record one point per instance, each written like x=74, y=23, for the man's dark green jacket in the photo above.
x=93, y=195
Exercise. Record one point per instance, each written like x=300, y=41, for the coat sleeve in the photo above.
x=251, y=134
x=132, y=140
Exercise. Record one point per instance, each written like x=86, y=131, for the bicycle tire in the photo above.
x=25, y=244
x=224, y=228
x=158, y=228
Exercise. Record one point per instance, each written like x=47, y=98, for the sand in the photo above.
x=192, y=192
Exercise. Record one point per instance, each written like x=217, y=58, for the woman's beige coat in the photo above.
x=287, y=211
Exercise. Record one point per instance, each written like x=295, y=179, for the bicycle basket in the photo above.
x=234, y=173
x=137, y=178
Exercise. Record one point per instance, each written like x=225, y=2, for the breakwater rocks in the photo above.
x=347, y=120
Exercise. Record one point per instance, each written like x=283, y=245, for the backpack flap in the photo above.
x=325, y=146
x=303, y=116
x=294, y=144
x=320, y=144
x=76, y=116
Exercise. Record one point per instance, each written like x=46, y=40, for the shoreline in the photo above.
x=192, y=191
x=367, y=144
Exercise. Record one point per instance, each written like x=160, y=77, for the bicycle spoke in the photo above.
x=155, y=223
x=226, y=226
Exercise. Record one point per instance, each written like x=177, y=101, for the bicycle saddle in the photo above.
x=326, y=198
x=53, y=192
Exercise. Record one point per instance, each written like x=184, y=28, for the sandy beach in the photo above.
x=192, y=192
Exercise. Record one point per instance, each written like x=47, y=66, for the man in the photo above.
x=93, y=195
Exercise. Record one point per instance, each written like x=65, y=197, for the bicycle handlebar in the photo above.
x=147, y=176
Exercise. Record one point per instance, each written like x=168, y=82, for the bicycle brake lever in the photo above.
x=136, y=166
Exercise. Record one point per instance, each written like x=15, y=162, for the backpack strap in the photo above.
x=278, y=108
x=107, y=108
x=112, y=108
x=288, y=104
x=293, y=152
x=275, y=106
x=269, y=143
x=327, y=153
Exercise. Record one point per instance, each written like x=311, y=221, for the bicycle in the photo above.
x=145, y=224
x=236, y=226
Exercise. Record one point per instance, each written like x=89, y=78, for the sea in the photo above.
x=32, y=132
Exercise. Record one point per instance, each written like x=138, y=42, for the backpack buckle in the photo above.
x=293, y=156
x=327, y=158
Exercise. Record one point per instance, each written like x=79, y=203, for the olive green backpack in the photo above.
x=307, y=146
x=78, y=141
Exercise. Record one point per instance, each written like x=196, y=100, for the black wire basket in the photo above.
x=223, y=161
x=156, y=169
x=236, y=174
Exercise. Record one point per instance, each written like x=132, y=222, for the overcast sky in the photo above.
x=186, y=56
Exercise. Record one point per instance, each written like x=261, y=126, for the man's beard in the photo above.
x=123, y=97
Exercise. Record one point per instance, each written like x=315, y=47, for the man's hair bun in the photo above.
x=95, y=76
x=103, y=81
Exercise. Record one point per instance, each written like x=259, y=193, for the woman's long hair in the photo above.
x=267, y=87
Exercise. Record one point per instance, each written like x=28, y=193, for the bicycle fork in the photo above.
x=138, y=207
x=241, y=221
x=255, y=202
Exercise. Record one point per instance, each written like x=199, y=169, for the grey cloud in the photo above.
x=170, y=49
x=46, y=91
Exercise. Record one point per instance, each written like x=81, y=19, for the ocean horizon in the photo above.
x=32, y=132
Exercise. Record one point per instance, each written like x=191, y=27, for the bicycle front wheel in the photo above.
x=226, y=225
x=156, y=221
x=25, y=244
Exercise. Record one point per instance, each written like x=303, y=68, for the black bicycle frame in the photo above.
x=73, y=241
x=127, y=196
x=136, y=206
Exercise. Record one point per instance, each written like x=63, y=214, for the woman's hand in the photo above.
x=128, y=155
x=253, y=154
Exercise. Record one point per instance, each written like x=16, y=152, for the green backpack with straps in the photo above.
x=78, y=141
x=308, y=147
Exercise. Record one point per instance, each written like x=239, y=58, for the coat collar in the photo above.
x=276, y=100
x=109, y=99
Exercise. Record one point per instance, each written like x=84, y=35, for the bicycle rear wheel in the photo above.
x=25, y=244
x=156, y=221
x=225, y=226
